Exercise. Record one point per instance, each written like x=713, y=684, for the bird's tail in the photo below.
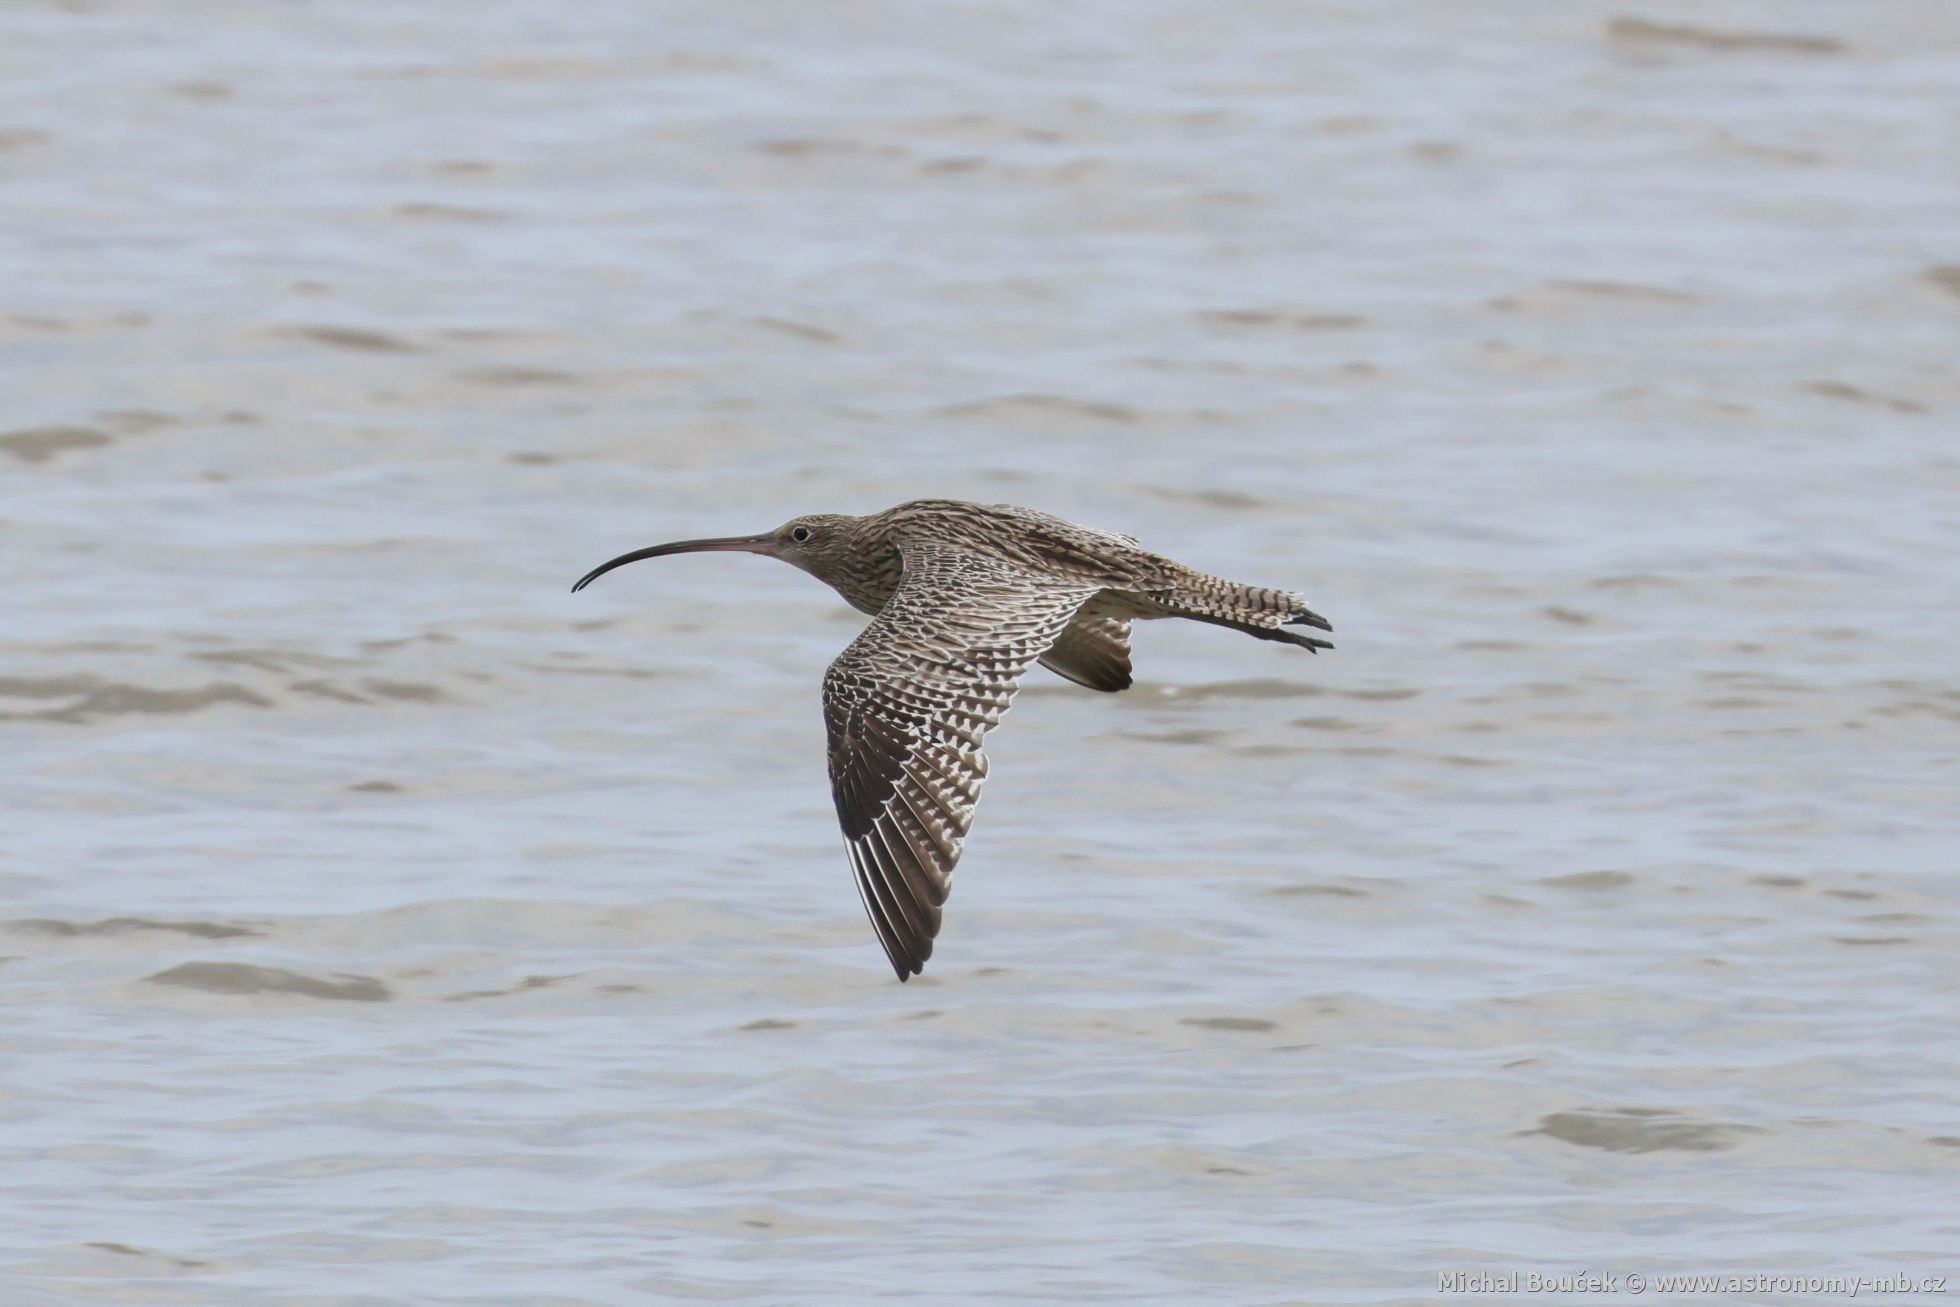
x=1259, y=612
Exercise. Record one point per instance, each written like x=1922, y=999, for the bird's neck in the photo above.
x=869, y=572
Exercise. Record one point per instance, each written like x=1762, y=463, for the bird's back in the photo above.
x=1039, y=542
x=1132, y=581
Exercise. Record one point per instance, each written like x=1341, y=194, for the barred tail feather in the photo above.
x=1256, y=610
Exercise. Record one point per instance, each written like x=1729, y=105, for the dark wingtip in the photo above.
x=1311, y=618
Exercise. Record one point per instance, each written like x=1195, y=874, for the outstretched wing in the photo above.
x=907, y=705
x=1093, y=650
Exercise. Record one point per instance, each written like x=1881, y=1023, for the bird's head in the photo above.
x=819, y=543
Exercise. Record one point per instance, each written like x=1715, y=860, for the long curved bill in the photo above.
x=761, y=544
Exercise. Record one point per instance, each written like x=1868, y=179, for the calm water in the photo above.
x=384, y=924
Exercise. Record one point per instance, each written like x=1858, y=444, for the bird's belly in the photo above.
x=1123, y=604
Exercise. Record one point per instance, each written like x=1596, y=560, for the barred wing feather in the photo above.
x=907, y=706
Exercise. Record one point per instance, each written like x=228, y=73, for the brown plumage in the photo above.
x=965, y=597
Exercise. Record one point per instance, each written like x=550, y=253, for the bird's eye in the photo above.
x=800, y=534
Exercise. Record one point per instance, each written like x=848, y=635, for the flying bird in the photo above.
x=964, y=597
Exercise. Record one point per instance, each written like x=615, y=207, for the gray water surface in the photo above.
x=382, y=924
